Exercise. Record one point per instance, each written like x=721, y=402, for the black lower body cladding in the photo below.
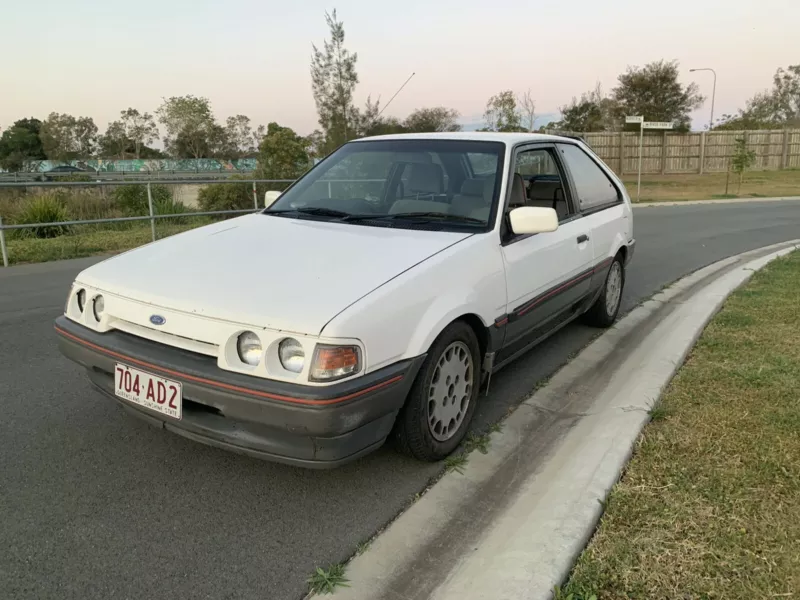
x=311, y=426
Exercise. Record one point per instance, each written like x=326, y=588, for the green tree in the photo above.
x=85, y=136
x=385, y=126
x=239, y=137
x=66, y=138
x=333, y=81
x=140, y=129
x=283, y=154
x=655, y=92
x=593, y=111
x=191, y=128
x=742, y=159
x=20, y=144
x=258, y=136
x=114, y=142
x=580, y=115
x=770, y=109
x=502, y=114
x=438, y=118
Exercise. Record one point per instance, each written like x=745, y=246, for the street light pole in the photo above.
x=713, y=92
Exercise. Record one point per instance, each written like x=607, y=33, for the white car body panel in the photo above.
x=403, y=317
x=540, y=262
x=266, y=271
x=390, y=291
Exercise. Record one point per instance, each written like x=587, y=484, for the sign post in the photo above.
x=642, y=126
x=640, y=121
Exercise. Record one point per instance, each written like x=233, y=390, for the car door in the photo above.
x=547, y=274
x=600, y=202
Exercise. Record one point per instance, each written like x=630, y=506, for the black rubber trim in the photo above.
x=501, y=321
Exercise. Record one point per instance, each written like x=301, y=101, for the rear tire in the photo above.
x=604, y=311
x=440, y=405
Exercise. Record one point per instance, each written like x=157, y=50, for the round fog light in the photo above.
x=98, y=306
x=292, y=355
x=249, y=348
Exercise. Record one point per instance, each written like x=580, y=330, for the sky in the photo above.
x=96, y=58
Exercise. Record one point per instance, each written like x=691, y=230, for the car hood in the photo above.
x=274, y=272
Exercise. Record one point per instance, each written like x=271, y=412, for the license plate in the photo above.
x=156, y=393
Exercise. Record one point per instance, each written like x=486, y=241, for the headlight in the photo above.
x=292, y=355
x=249, y=347
x=81, y=300
x=98, y=306
x=334, y=362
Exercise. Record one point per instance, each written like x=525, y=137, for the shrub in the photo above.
x=132, y=199
x=226, y=196
x=45, y=208
x=88, y=204
x=74, y=177
x=168, y=206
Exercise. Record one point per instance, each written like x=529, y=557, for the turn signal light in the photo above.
x=334, y=362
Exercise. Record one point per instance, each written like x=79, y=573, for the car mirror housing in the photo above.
x=533, y=219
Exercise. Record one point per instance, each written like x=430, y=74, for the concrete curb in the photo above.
x=713, y=201
x=513, y=523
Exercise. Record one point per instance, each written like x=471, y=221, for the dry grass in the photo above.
x=709, y=506
x=756, y=184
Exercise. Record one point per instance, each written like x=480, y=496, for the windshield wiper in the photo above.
x=311, y=210
x=426, y=216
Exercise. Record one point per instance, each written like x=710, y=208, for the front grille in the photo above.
x=169, y=339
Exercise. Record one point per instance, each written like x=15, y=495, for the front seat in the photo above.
x=425, y=182
x=425, y=178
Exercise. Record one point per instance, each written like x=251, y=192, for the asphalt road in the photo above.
x=96, y=504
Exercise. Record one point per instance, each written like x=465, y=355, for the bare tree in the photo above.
x=527, y=106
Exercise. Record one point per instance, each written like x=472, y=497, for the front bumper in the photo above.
x=285, y=422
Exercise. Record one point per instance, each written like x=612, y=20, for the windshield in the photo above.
x=443, y=184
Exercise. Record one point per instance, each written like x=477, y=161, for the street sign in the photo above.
x=634, y=119
x=657, y=124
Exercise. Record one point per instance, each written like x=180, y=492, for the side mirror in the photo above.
x=533, y=219
x=270, y=197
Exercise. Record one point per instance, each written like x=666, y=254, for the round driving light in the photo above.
x=81, y=300
x=291, y=355
x=98, y=306
x=249, y=347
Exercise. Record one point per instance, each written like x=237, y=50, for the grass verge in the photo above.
x=90, y=240
x=709, y=506
x=688, y=186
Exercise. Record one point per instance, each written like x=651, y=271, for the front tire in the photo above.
x=440, y=405
x=604, y=311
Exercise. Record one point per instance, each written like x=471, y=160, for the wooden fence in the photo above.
x=705, y=152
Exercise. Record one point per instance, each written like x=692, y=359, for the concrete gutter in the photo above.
x=714, y=201
x=513, y=523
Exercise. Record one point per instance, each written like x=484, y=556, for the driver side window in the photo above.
x=538, y=182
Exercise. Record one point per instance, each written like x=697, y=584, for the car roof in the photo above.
x=509, y=139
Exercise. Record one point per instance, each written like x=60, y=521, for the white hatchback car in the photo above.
x=371, y=299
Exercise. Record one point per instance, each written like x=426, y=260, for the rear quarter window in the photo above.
x=593, y=187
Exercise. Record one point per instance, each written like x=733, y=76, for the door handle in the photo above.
x=583, y=238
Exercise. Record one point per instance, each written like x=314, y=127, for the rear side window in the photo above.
x=593, y=186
